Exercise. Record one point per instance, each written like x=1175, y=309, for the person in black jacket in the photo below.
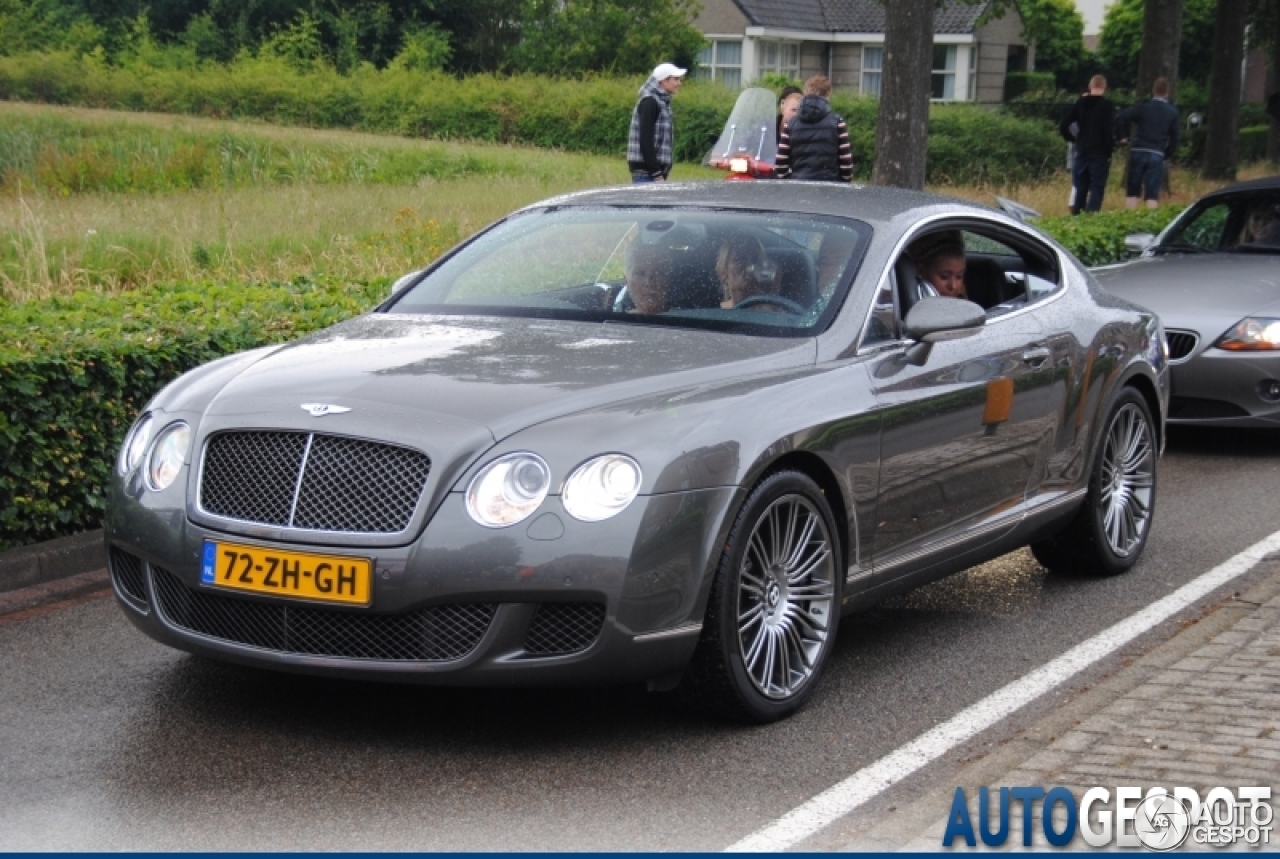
x=814, y=145
x=1090, y=126
x=651, y=138
x=1154, y=140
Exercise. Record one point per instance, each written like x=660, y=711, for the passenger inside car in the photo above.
x=648, y=274
x=745, y=271
x=1262, y=226
x=940, y=264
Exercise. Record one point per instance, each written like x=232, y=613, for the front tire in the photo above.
x=774, y=606
x=1108, y=533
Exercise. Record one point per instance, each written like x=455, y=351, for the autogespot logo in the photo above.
x=1160, y=820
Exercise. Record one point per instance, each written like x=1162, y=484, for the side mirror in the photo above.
x=1138, y=242
x=403, y=281
x=932, y=320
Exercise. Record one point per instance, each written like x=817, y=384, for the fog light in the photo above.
x=1269, y=390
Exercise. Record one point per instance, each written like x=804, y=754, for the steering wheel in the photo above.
x=775, y=300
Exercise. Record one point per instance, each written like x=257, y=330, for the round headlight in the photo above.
x=508, y=489
x=168, y=455
x=601, y=487
x=135, y=443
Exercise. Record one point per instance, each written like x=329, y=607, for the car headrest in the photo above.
x=797, y=275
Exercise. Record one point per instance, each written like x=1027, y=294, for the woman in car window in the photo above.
x=744, y=271
x=940, y=264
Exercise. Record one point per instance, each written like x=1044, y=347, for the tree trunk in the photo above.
x=1220, y=149
x=1161, y=40
x=1273, y=80
x=902, y=129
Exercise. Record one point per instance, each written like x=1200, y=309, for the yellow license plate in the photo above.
x=278, y=572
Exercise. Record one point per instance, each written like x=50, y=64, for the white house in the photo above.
x=844, y=39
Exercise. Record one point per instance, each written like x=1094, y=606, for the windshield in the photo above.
x=754, y=272
x=752, y=129
x=1241, y=223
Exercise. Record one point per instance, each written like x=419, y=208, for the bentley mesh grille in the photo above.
x=312, y=481
x=434, y=634
x=560, y=628
x=126, y=573
x=1181, y=344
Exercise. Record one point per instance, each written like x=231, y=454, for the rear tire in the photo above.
x=1109, y=531
x=774, y=606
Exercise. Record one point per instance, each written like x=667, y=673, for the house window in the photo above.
x=781, y=58
x=872, y=69
x=721, y=61
x=944, y=72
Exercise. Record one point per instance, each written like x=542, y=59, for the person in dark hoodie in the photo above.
x=1154, y=141
x=1090, y=125
x=651, y=138
x=814, y=145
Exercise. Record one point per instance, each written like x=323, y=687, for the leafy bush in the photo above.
x=1097, y=238
x=967, y=143
x=74, y=371
x=1019, y=84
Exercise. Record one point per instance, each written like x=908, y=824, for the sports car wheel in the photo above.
x=774, y=606
x=1109, y=532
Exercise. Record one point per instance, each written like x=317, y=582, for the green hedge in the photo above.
x=74, y=371
x=1098, y=238
x=1018, y=84
x=967, y=143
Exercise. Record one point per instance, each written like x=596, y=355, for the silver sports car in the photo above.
x=665, y=435
x=1213, y=277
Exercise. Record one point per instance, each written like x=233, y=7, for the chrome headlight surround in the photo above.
x=135, y=443
x=1252, y=334
x=168, y=455
x=602, y=487
x=508, y=490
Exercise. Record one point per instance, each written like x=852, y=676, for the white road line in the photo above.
x=835, y=802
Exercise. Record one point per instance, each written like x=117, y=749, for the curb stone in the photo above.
x=51, y=560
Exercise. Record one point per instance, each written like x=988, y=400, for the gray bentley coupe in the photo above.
x=665, y=435
x=1213, y=278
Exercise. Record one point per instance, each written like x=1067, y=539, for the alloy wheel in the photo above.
x=786, y=590
x=1128, y=480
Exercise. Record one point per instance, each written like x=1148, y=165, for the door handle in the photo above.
x=1036, y=357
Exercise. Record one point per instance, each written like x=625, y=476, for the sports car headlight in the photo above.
x=508, y=489
x=135, y=443
x=601, y=487
x=1252, y=334
x=168, y=455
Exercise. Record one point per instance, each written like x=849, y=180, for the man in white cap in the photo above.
x=651, y=140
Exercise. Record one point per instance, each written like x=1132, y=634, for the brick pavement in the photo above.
x=1200, y=710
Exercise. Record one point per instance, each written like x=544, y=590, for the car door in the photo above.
x=965, y=432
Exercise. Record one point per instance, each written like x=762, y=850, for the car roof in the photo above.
x=1266, y=183
x=872, y=203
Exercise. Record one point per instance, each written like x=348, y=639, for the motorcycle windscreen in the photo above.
x=751, y=131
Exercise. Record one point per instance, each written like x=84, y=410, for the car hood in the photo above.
x=397, y=372
x=1206, y=293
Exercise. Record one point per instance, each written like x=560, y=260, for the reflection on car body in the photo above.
x=1213, y=277
x=536, y=485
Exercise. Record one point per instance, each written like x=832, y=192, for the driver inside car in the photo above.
x=745, y=272
x=648, y=274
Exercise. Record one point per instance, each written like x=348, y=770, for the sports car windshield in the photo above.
x=754, y=272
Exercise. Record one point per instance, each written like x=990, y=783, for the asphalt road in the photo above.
x=110, y=741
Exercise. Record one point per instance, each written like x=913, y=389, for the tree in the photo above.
x=567, y=37
x=1056, y=28
x=1122, y=37
x=1220, y=151
x=902, y=128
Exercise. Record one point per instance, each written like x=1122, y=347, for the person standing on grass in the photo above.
x=788, y=106
x=1154, y=141
x=651, y=139
x=1090, y=125
x=814, y=145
